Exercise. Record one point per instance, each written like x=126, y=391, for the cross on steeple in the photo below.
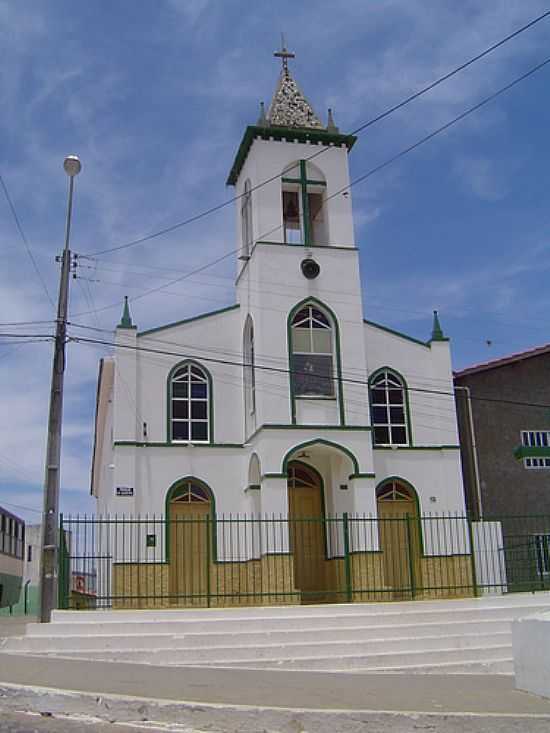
x=284, y=54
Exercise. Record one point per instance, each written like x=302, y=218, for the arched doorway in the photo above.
x=188, y=508
x=307, y=530
x=399, y=537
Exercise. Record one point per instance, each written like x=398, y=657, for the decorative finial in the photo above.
x=284, y=54
x=331, y=126
x=262, y=119
x=126, y=320
x=437, y=331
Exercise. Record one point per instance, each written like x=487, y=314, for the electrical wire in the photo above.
x=361, y=128
x=280, y=370
x=25, y=241
x=355, y=181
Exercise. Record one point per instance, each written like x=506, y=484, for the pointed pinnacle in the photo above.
x=437, y=331
x=262, y=119
x=126, y=320
x=331, y=125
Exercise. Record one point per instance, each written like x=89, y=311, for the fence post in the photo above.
x=61, y=600
x=472, y=556
x=411, y=557
x=347, y=558
x=208, y=592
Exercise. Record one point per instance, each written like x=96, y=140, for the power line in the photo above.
x=166, y=285
x=355, y=181
x=281, y=370
x=364, y=126
x=431, y=135
x=25, y=241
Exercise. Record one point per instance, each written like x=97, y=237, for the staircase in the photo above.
x=471, y=635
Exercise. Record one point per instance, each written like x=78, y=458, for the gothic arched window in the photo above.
x=249, y=372
x=388, y=405
x=312, y=350
x=304, y=216
x=246, y=219
x=190, y=404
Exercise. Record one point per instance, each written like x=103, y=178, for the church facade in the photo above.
x=288, y=403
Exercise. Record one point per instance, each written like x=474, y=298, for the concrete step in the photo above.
x=181, y=624
x=462, y=604
x=182, y=654
x=504, y=666
x=381, y=661
x=369, y=635
x=245, y=638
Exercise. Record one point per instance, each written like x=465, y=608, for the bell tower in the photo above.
x=296, y=242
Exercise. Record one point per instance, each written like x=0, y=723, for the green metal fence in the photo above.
x=210, y=560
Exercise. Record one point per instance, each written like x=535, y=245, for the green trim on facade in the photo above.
x=189, y=320
x=393, y=332
x=340, y=387
x=174, y=369
x=316, y=426
x=138, y=444
x=301, y=135
x=407, y=403
x=319, y=441
x=532, y=451
x=361, y=475
x=170, y=495
x=274, y=475
x=309, y=246
x=416, y=447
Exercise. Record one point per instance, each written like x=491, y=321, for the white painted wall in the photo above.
x=269, y=286
x=531, y=645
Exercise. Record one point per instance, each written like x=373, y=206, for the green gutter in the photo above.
x=292, y=134
x=189, y=320
x=426, y=344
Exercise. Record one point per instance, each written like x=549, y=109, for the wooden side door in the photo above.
x=399, y=541
x=189, y=553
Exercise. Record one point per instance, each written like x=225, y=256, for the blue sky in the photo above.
x=154, y=97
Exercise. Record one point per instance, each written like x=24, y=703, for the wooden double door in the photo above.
x=307, y=531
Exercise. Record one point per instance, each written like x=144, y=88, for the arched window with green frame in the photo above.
x=190, y=404
x=390, y=418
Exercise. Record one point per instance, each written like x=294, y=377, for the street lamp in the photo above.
x=49, y=567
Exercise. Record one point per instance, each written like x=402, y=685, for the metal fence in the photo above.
x=242, y=560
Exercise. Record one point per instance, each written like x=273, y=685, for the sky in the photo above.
x=154, y=97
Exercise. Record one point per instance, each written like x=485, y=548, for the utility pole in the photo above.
x=50, y=521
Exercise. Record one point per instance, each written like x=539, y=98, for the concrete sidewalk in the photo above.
x=475, y=694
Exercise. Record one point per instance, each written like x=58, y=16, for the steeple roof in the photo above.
x=290, y=117
x=289, y=107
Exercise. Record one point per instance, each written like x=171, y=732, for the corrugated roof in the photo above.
x=503, y=361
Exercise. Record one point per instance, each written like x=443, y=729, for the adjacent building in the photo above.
x=504, y=424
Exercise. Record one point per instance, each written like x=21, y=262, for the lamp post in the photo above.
x=50, y=521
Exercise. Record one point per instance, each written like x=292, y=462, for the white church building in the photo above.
x=288, y=403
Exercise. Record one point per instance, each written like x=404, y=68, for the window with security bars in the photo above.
x=388, y=409
x=536, y=439
x=189, y=405
x=312, y=354
x=542, y=547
